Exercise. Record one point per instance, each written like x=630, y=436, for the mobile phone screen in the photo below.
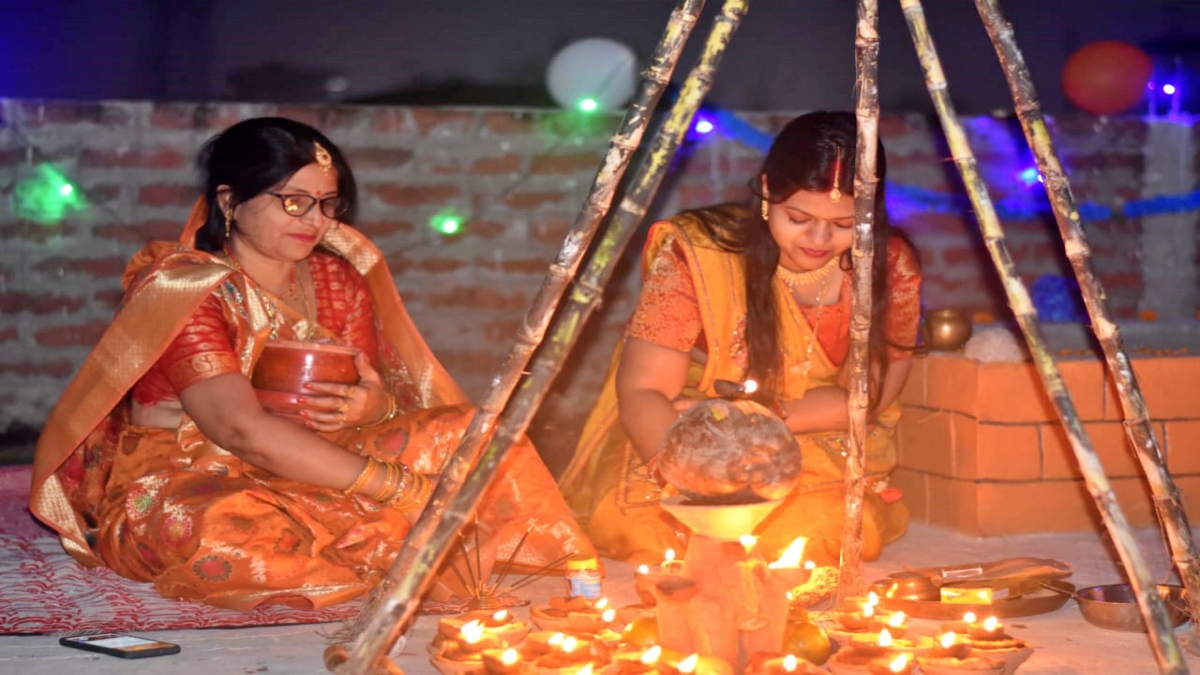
x=124, y=646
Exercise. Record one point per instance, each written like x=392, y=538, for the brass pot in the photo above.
x=946, y=329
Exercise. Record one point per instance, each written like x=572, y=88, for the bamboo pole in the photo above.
x=402, y=599
x=1167, y=498
x=866, y=180
x=1166, y=650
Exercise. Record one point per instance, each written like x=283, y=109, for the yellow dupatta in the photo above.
x=604, y=459
x=155, y=309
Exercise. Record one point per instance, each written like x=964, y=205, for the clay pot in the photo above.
x=946, y=329
x=286, y=366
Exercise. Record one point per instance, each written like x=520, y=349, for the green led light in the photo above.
x=588, y=105
x=446, y=224
x=46, y=197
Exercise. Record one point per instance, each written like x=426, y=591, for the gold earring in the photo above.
x=228, y=222
x=763, y=209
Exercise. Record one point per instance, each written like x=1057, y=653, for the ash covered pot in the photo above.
x=730, y=452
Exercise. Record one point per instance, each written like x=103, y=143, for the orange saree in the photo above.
x=168, y=506
x=693, y=300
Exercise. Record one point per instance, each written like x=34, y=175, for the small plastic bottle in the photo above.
x=583, y=577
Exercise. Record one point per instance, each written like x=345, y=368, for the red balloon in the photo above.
x=1107, y=77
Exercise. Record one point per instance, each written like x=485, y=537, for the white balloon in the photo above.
x=594, y=68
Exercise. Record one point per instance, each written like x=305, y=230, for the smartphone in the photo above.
x=123, y=646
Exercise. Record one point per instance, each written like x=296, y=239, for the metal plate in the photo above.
x=1040, y=601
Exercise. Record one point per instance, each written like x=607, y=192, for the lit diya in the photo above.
x=902, y=664
x=894, y=624
x=960, y=627
x=568, y=655
x=502, y=624
x=463, y=655
x=952, y=656
x=777, y=663
x=503, y=661
x=557, y=615
x=637, y=661
x=695, y=664
x=989, y=639
x=918, y=645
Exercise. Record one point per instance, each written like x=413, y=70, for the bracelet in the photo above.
x=391, y=481
x=393, y=409
x=368, y=472
x=416, y=496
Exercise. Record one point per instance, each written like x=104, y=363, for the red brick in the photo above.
x=327, y=118
x=1167, y=385
x=503, y=331
x=926, y=442
x=552, y=232
x=930, y=223
x=1181, y=444
x=377, y=158
x=160, y=158
x=443, y=120
x=565, y=163
x=518, y=265
x=1108, y=441
x=39, y=303
x=201, y=116
x=416, y=195
x=1038, y=506
x=97, y=267
x=111, y=298
x=509, y=163
x=82, y=334
x=477, y=297
x=55, y=368
x=484, y=229
x=399, y=263
x=150, y=230
x=471, y=362
x=103, y=194
x=37, y=114
x=504, y=123
x=29, y=231
x=534, y=198
x=14, y=156
x=959, y=255
x=383, y=228
x=9, y=334
x=1002, y=452
x=167, y=195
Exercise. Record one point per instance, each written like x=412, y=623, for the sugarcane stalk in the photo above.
x=1166, y=650
x=402, y=598
x=862, y=252
x=1167, y=498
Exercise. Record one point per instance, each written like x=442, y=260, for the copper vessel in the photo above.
x=946, y=329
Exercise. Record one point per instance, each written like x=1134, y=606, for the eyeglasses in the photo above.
x=298, y=205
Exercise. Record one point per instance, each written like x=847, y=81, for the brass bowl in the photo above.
x=912, y=586
x=946, y=329
x=1115, y=607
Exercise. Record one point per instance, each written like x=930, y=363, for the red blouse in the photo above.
x=205, y=346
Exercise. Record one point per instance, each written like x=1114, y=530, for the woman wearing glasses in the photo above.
x=161, y=463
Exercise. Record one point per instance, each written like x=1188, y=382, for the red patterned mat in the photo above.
x=43, y=589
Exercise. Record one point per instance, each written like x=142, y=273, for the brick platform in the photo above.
x=982, y=451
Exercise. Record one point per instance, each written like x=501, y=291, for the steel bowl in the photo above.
x=1114, y=607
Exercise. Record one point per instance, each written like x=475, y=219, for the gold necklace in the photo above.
x=295, y=291
x=816, y=324
x=793, y=279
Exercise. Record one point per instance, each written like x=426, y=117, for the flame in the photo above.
x=872, y=598
x=868, y=610
x=749, y=387
x=790, y=597
x=748, y=541
x=608, y=615
x=510, y=657
x=586, y=670
x=569, y=644
x=810, y=565
x=650, y=656
x=885, y=638
x=669, y=555
x=899, y=663
x=688, y=665
x=502, y=615
x=947, y=640
x=969, y=617
x=789, y=663
x=643, y=569
x=601, y=603
x=792, y=557
x=472, y=632
x=991, y=623
x=897, y=620
x=556, y=639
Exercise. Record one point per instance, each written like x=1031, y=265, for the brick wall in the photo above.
x=518, y=176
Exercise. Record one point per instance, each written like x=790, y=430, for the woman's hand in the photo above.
x=334, y=406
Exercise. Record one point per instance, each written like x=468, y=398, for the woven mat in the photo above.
x=44, y=590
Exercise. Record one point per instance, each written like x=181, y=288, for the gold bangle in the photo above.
x=368, y=472
x=393, y=408
x=415, y=496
